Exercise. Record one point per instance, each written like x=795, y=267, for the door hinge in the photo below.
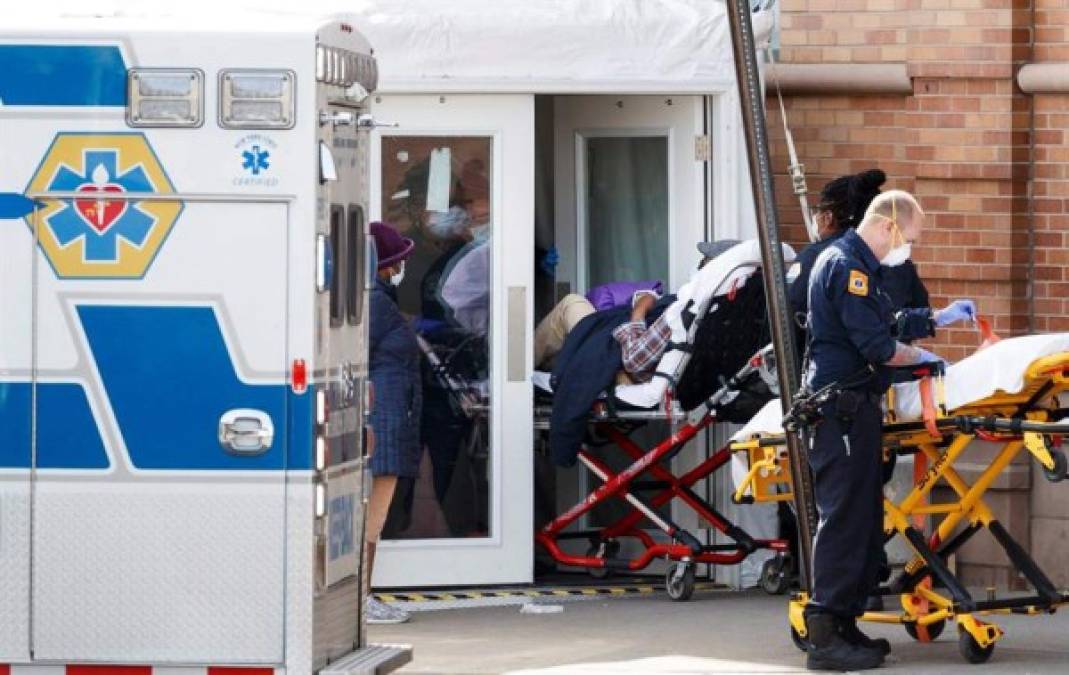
x=703, y=148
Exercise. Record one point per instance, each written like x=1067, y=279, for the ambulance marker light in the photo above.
x=321, y=500
x=299, y=376
x=321, y=453
x=165, y=97
x=321, y=406
x=323, y=263
x=256, y=99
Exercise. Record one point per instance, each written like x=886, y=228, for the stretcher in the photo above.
x=718, y=287
x=1007, y=395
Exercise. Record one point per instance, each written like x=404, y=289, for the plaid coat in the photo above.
x=395, y=373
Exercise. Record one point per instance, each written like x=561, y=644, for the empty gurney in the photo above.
x=1007, y=395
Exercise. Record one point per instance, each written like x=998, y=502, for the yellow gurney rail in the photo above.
x=1026, y=420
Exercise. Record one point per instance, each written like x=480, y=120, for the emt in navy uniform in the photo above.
x=851, y=340
x=842, y=206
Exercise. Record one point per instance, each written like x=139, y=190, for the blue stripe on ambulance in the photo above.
x=62, y=75
x=67, y=434
x=169, y=378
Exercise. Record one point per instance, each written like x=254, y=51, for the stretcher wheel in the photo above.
x=971, y=649
x=775, y=575
x=799, y=641
x=606, y=550
x=934, y=630
x=1057, y=474
x=679, y=581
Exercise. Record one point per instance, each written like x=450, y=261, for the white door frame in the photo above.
x=506, y=556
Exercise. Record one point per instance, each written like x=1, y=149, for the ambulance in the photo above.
x=183, y=345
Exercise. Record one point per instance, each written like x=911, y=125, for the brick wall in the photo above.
x=963, y=142
x=960, y=142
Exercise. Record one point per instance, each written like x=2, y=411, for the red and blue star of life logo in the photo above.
x=101, y=235
x=99, y=220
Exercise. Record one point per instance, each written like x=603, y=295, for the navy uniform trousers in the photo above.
x=848, y=486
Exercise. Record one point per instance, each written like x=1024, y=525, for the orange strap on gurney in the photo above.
x=987, y=335
x=928, y=409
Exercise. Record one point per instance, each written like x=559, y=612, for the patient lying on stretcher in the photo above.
x=715, y=325
x=643, y=336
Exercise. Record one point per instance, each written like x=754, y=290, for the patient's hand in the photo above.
x=642, y=304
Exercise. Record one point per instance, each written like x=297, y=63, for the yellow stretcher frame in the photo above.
x=1021, y=421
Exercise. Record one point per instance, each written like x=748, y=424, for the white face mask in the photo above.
x=398, y=277
x=898, y=255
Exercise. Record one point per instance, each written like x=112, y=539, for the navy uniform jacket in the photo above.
x=850, y=316
x=902, y=284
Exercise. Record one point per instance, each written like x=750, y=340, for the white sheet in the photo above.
x=1000, y=367
x=715, y=279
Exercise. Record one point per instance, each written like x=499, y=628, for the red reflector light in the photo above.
x=299, y=376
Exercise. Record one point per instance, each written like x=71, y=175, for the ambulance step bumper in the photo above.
x=371, y=660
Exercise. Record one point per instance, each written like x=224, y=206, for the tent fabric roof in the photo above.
x=551, y=46
x=523, y=46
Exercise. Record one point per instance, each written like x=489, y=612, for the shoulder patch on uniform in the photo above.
x=858, y=283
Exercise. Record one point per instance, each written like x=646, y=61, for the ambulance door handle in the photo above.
x=246, y=432
x=337, y=119
x=368, y=122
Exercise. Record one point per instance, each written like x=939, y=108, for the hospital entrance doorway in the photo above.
x=621, y=195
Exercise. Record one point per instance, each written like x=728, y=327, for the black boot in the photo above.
x=852, y=634
x=874, y=603
x=829, y=651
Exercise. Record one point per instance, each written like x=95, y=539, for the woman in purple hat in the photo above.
x=395, y=415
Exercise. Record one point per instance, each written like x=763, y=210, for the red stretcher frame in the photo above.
x=684, y=547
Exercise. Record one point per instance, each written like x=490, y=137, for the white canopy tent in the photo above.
x=552, y=46
x=528, y=46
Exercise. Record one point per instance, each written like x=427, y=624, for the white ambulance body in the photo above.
x=183, y=345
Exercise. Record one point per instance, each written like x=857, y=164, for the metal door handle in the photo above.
x=367, y=121
x=244, y=431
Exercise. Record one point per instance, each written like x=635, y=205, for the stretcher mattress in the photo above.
x=1000, y=367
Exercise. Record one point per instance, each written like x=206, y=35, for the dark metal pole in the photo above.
x=751, y=98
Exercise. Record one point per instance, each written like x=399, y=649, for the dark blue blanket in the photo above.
x=586, y=366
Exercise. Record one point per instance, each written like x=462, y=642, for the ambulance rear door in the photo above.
x=161, y=410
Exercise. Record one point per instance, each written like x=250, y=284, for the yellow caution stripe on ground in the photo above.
x=558, y=592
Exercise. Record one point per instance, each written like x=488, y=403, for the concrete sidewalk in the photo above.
x=720, y=631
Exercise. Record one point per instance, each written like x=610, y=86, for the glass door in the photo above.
x=463, y=194
x=629, y=192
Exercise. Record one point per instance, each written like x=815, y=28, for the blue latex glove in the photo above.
x=927, y=356
x=548, y=263
x=959, y=310
x=930, y=357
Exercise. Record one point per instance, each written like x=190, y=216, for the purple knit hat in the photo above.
x=389, y=244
